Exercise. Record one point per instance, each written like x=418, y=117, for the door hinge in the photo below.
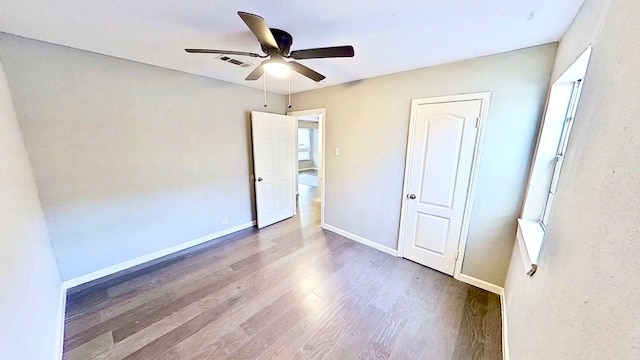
x=477, y=122
x=457, y=253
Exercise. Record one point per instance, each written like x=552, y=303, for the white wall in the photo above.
x=129, y=158
x=582, y=303
x=30, y=302
x=369, y=120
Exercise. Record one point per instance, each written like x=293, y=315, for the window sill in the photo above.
x=529, y=235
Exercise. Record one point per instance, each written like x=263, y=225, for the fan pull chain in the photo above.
x=289, y=89
x=264, y=82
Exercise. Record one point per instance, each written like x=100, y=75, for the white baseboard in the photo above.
x=153, y=256
x=309, y=168
x=57, y=354
x=505, y=327
x=361, y=240
x=480, y=283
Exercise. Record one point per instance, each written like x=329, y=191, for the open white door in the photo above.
x=441, y=151
x=274, y=137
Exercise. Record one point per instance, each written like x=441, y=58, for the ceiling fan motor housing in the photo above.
x=284, y=40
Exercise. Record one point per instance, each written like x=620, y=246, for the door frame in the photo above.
x=485, y=98
x=321, y=151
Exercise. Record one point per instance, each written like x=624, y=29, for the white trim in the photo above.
x=58, y=350
x=309, y=168
x=322, y=126
x=484, y=285
x=506, y=355
x=529, y=236
x=361, y=240
x=153, y=256
x=294, y=179
x=485, y=98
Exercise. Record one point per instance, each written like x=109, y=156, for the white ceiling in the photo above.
x=388, y=36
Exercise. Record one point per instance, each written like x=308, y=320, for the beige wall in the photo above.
x=582, y=303
x=30, y=303
x=582, y=32
x=129, y=158
x=369, y=119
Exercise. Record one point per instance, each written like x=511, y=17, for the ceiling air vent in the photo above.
x=233, y=61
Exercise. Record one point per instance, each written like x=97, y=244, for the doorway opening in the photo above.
x=310, y=157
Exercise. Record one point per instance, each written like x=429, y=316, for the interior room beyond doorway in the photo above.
x=308, y=150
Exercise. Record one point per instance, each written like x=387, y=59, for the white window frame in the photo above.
x=553, y=138
x=562, y=149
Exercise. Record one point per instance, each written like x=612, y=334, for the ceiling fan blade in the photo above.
x=327, y=52
x=256, y=73
x=303, y=70
x=226, y=52
x=259, y=28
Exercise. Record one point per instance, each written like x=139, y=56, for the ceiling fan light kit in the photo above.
x=276, y=67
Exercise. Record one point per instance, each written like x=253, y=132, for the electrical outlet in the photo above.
x=225, y=220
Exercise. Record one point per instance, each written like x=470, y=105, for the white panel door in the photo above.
x=274, y=159
x=441, y=148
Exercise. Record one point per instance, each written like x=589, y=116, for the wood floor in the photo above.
x=289, y=291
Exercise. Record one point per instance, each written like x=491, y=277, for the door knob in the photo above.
x=411, y=196
x=259, y=179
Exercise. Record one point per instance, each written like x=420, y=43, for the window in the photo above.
x=562, y=148
x=304, y=144
x=561, y=108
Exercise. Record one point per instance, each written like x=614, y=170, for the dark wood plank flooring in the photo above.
x=289, y=291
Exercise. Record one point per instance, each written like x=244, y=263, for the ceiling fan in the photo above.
x=276, y=45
